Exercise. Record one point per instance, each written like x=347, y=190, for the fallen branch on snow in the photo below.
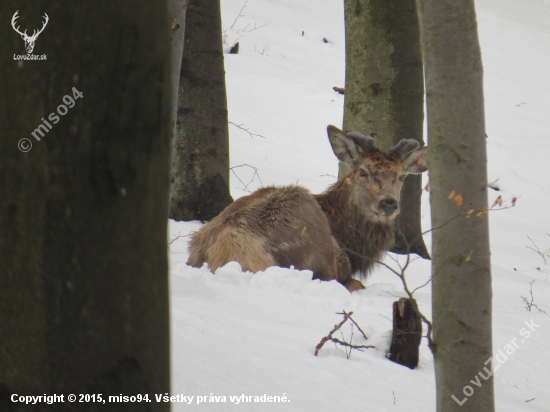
x=330, y=338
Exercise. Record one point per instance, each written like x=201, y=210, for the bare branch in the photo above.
x=239, y=15
x=360, y=330
x=537, y=250
x=240, y=126
x=330, y=338
x=180, y=236
x=253, y=176
x=529, y=302
x=358, y=347
x=256, y=28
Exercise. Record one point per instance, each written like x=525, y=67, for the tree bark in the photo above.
x=200, y=172
x=385, y=93
x=461, y=267
x=83, y=240
x=407, y=334
x=176, y=19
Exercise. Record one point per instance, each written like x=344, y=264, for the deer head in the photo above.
x=29, y=40
x=377, y=175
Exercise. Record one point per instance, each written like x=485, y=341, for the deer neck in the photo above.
x=364, y=241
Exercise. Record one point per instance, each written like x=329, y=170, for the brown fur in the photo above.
x=266, y=229
x=335, y=234
x=363, y=241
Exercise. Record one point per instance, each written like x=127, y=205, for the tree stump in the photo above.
x=407, y=334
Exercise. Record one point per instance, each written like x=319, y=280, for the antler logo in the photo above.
x=29, y=40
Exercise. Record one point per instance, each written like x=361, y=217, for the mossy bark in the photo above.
x=385, y=93
x=461, y=267
x=83, y=260
x=200, y=171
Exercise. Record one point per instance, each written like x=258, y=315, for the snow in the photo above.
x=236, y=333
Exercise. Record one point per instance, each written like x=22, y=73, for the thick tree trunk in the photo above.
x=200, y=172
x=461, y=267
x=176, y=19
x=83, y=261
x=385, y=93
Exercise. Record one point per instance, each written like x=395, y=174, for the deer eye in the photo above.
x=363, y=173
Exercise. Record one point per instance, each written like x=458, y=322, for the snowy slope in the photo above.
x=239, y=334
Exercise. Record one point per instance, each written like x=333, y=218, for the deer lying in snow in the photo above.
x=337, y=234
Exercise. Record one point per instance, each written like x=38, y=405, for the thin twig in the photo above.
x=529, y=303
x=349, y=345
x=330, y=338
x=348, y=354
x=239, y=15
x=240, y=126
x=360, y=330
x=537, y=250
x=253, y=176
x=180, y=236
x=256, y=28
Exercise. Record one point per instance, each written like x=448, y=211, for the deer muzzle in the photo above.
x=389, y=206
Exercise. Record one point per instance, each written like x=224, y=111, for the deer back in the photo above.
x=335, y=234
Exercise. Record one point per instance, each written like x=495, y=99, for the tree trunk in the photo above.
x=83, y=242
x=461, y=267
x=200, y=172
x=385, y=93
x=407, y=334
x=176, y=19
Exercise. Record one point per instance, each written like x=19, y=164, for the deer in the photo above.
x=29, y=40
x=338, y=234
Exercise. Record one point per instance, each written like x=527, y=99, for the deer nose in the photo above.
x=388, y=206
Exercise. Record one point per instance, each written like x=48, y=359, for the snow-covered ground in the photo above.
x=237, y=334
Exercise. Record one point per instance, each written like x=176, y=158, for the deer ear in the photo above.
x=416, y=162
x=343, y=145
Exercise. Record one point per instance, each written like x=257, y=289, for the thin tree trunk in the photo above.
x=200, y=172
x=83, y=260
x=461, y=267
x=385, y=93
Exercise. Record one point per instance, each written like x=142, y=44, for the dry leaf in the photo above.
x=304, y=230
x=470, y=213
x=458, y=200
x=483, y=213
x=427, y=188
x=469, y=256
x=498, y=201
x=514, y=201
x=174, y=23
x=452, y=195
